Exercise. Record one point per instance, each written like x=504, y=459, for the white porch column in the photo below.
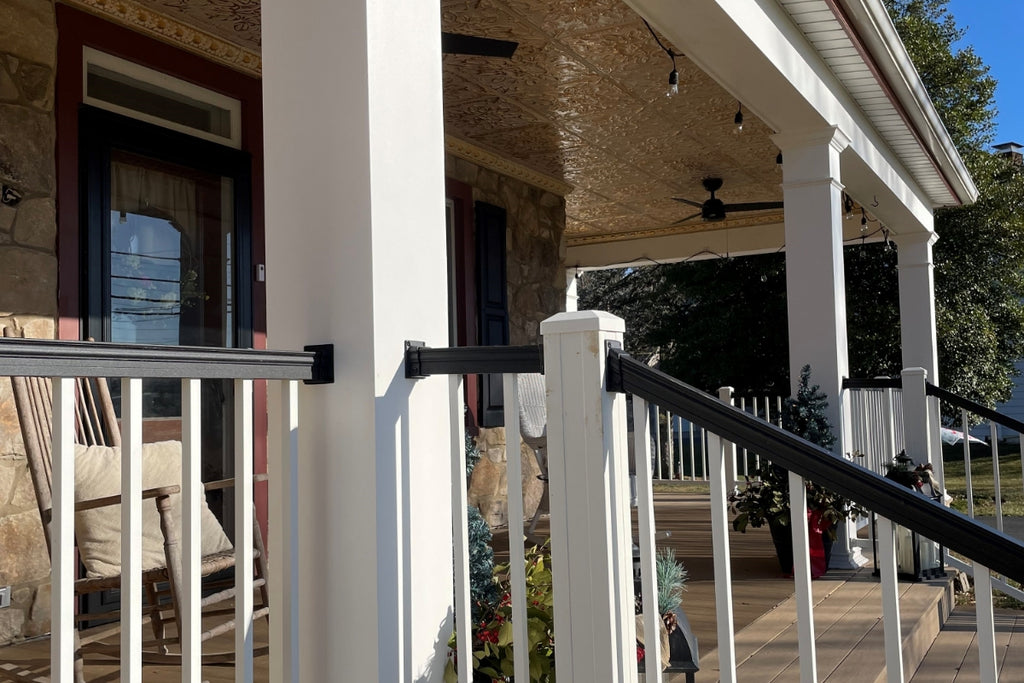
x=571, y=290
x=917, y=331
x=356, y=257
x=917, y=302
x=815, y=284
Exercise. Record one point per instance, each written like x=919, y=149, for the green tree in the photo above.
x=979, y=257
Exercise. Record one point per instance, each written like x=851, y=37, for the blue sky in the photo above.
x=993, y=30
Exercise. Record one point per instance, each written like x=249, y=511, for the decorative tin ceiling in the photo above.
x=582, y=100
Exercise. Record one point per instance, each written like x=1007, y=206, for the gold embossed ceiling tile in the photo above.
x=583, y=99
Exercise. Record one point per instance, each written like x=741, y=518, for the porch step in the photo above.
x=849, y=631
x=953, y=657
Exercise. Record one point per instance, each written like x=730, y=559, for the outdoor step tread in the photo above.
x=919, y=625
x=850, y=637
x=831, y=616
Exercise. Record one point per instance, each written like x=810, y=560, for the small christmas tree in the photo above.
x=804, y=414
x=483, y=591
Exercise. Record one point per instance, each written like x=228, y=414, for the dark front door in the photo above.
x=167, y=261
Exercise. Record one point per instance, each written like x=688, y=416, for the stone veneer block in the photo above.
x=28, y=281
x=28, y=30
x=23, y=557
x=36, y=225
x=26, y=148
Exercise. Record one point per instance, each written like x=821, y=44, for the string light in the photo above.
x=848, y=206
x=863, y=220
x=738, y=119
x=673, y=76
x=778, y=162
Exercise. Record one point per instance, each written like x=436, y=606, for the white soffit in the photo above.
x=863, y=51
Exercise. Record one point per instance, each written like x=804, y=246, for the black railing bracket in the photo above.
x=323, y=363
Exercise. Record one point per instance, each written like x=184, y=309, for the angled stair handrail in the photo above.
x=954, y=530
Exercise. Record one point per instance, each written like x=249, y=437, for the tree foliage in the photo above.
x=979, y=257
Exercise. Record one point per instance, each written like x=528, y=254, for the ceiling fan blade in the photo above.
x=688, y=218
x=461, y=44
x=689, y=201
x=753, y=206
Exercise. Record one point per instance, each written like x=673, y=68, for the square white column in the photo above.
x=917, y=302
x=356, y=256
x=815, y=284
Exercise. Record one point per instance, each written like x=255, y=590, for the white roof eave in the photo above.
x=874, y=27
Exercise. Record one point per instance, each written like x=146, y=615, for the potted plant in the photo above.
x=765, y=498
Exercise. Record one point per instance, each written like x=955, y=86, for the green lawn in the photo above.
x=984, y=488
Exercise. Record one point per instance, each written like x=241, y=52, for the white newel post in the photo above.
x=917, y=323
x=356, y=257
x=591, y=545
x=815, y=284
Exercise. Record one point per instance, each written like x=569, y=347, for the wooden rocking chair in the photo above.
x=96, y=425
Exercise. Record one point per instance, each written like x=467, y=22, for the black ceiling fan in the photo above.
x=714, y=209
x=461, y=44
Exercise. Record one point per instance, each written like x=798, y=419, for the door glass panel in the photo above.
x=170, y=283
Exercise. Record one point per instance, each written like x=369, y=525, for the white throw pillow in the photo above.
x=98, y=474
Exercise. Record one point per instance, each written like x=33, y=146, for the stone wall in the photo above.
x=28, y=286
x=536, y=290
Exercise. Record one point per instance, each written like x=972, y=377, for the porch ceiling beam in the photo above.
x=669, y=248
x=753, y=49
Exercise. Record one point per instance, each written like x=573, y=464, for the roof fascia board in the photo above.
x=874, y=26
x=791, y=89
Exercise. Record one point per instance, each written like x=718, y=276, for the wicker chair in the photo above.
x=96, y=425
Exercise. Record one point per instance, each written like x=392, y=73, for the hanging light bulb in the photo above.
x=738, y=119
x=673, y=81
x=848, y=206
x=863, y=220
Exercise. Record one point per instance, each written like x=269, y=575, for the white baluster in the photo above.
x=460, y=532
x=283, y=535
x=645, y=531
x=725, y=394
x=191, y=534
x=243, y=532
x=985, y=619
x=721, y=485
x=693, y=468
x=516, y=555
x=62, y=533
x=965, y=424
x=670, y=445
x=997, y=484
x=886, y=539
x=802, y=578
x=131, y=529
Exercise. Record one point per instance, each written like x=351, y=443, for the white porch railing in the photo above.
x=680, y=447
x=64, y=361
x=587, y=453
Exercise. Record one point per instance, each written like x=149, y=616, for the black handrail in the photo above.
x=60, y=358
x=956, y=531
x=423, y=361
x=976, y=408
x=873, y=383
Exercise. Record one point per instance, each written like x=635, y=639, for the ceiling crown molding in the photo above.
x=163, y=27
x=499, y=164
